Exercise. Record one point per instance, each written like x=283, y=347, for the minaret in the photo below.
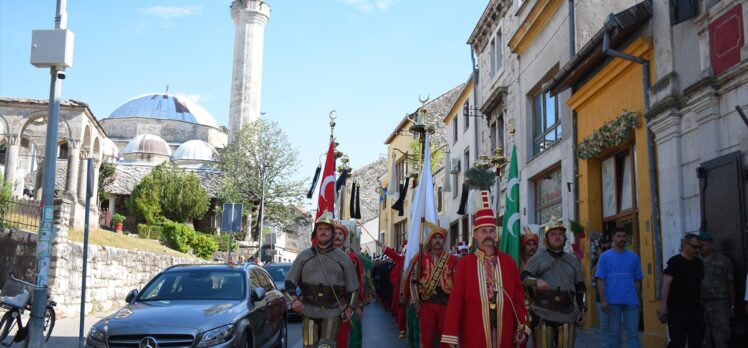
x=250, y=18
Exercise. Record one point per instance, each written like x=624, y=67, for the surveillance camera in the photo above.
x=61, y=75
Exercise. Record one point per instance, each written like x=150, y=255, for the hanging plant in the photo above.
x=612, y=134
x=478, y=178
x=577, y=229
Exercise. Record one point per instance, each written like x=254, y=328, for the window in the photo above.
x=467, y=159
x=454, y=232
x=493, y=135
x=683, y=10
x=401, y=232
x=62, y=151
x=618, y=184
x=401, y=171
x=546, y=128
x=439, y=199
x=548, y=196
x=465, y=228
x=455, y=187
x=466, y=114
x=618, y=181
x=496, y=54
x=454, y=128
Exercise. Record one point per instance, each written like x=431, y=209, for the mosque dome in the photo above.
x=165, y=107
x=196, y=150
x=109, y=148
x=148, y=144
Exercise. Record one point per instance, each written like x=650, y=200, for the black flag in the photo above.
x=399, y=204
x=314, y=182
x=358, y=201
x=352, y=202
x=463, y=200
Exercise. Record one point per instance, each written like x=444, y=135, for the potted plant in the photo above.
x=117, y=220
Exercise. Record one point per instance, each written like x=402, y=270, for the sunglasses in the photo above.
x=696, y=247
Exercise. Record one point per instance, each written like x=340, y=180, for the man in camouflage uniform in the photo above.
x=717, y=294
x=558, y=291
x=328, y=286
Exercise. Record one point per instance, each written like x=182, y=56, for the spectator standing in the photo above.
x=603, y=245
x=619, y=275
x=680, y=305
x=717, y=294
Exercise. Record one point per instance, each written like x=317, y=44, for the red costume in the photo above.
x=469, y=302
x=437, y=274
x=397, y=308
x=487, y=304
x=358, y=265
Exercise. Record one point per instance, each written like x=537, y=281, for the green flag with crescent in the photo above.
x=510, y=243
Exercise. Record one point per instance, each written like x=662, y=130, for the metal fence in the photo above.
x=22, y=214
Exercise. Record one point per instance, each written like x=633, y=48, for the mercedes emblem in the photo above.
x=148, y=342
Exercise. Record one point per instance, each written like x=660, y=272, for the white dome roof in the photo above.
x=149, y=144
x=109, y=148
x=196, y=150
x=165, y=107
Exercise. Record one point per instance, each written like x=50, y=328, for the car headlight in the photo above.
x=216, y=336
x=95, y=338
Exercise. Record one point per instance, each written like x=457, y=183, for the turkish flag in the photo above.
x=326, y=201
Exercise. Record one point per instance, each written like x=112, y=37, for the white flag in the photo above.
x=423, y=207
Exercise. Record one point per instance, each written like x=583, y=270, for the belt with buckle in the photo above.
x=492, y=305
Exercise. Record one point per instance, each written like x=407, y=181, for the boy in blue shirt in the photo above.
x=619, y=275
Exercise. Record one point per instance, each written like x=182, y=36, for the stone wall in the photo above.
x=112, y=272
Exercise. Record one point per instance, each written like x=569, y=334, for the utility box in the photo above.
x=52, y=48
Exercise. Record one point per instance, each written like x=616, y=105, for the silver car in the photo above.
x=199, y=306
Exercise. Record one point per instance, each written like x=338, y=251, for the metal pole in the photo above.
x=46, y=230
x=89, y=192
x=229, y=258
x=230, y=233
x=262, y=219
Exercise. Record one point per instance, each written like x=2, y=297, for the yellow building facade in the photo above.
x=395, y=227
x=614, y=185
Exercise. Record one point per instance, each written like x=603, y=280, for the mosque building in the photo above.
x=137, y=136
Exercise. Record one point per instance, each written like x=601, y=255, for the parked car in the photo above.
x=279, y=271
x=195, y=306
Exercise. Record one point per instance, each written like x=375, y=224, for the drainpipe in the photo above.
x=572, y=47
x=475, y=102
x=610, y=24
x=575, y=165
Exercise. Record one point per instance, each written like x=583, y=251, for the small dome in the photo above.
x=196, y=150
x=148, y=144
x=109, y=148
x=165, y=107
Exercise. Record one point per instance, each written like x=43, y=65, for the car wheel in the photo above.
x=283, y=337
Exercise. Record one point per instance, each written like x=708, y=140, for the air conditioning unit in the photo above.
x=455, y=166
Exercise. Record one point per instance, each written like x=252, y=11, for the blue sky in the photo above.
x=367, y=59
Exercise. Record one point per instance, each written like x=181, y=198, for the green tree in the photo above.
x=414, y=156
x=106, y=177
x=260, y=163
x=171, y=192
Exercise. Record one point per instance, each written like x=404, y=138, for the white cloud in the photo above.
x=369, y=5
x=169, y=12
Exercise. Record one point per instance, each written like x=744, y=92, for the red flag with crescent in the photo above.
x=326, y=201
